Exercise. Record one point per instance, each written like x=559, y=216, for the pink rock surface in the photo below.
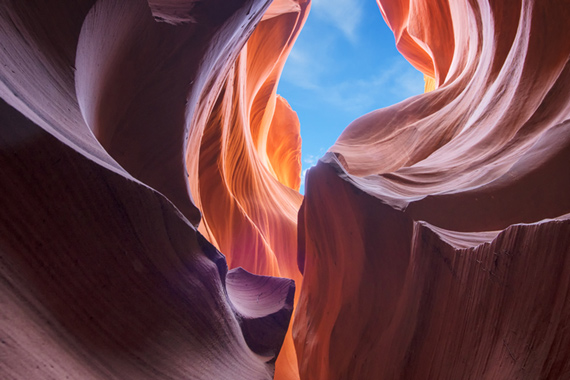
x=428, y=302
x=140, y=139
x=434, y=235
x=103, y=273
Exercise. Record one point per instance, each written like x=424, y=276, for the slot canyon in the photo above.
x=151, y=224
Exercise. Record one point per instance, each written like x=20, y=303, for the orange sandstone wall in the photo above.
x=140, y=139
x=244, y=159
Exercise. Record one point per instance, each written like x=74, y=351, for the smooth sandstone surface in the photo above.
x=446, y=251
x=103, y=272
x=103, y=278
x=144, y=151
x=430, y=302
x=244, y=159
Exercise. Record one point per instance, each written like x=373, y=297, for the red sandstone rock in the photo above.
x=429, y=302
x=445, y=253
x=433, y=238
x=103, y=278
x=103, y=274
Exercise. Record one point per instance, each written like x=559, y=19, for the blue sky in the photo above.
x=343, y=65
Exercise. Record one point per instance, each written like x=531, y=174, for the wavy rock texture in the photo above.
x=103, y=273
x=434, y=235
x=246, y=177
x=138, y=140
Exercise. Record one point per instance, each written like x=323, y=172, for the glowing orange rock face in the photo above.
x=139, y=139
x=246, y=177
x=446, y=253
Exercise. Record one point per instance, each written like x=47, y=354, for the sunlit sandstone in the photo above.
x=445, y=254
x=138, y=140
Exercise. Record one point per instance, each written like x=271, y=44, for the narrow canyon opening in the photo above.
x=344, y=64
x=151, y=226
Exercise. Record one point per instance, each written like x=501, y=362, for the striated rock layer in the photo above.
x=103, y=272
x=246, y=176
x=434, y=236
x=103, y=278
x=139, y=139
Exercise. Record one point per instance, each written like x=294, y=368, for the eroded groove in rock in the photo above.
x=433, y=237
x=139, y=81
x=264, y=306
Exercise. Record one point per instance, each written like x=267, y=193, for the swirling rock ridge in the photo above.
x=152, y=227
x=445, y=255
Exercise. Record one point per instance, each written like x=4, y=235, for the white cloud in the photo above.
x=345, y=15
x=393, y=84
x=300, y=70
x=308, y=62
x=303, y=175
x=310, y=159
x=317, y=59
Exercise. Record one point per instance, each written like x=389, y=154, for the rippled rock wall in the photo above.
x=138, y=140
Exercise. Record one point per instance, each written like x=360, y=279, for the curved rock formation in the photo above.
x=104, y=275
x=445, y=253
x=103, y=278
x=246, y=177
x=139, y=139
